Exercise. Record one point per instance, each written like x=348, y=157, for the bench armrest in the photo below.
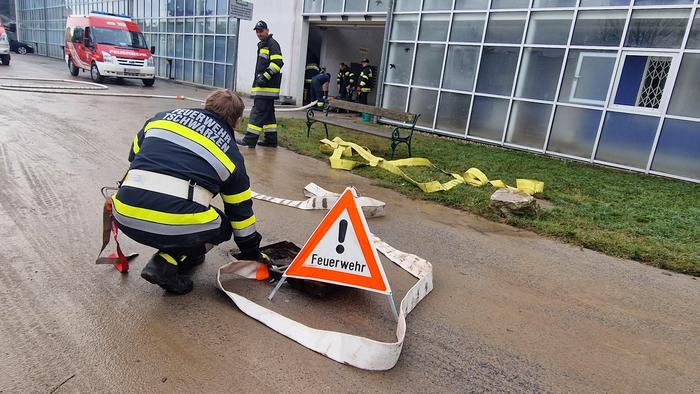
x=396, y=132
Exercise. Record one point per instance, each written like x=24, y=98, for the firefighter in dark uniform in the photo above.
x=312, y=70
x=180, y=160
x=345, y=80
x=365, y=82
x=266, y=89
x=319, y=89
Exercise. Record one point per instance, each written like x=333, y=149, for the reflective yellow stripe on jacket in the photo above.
x=238, y=197
x=260, y=89
x=194, y=136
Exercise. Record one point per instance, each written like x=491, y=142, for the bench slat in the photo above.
x=348, y=124
x=376, y=111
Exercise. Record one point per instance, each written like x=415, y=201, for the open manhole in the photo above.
x=282, y=254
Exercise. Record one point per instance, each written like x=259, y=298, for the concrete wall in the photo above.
x=287, y=26
x=350, y=45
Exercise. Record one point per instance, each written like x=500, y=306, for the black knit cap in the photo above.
x=260, y=25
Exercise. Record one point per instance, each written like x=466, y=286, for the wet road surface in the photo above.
x=511, y=311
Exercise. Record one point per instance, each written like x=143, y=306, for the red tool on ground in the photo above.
x=109, y=227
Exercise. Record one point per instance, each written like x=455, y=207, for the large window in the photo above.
x=433, y=27
x=644, y=80
x=539, y=73
x=428, y=65
x=528, y=124
x=685, y=100
x=423, y=102
x=549, y=27
x=657, y=28
x=627, y=139
x=506, y=27
x=678, y=149
x=604, y=81
x=452, y=112
x=574, y=131
x=587, y=77
x=468, y=27
x=460, y=68
x=399, y=64
x=599, y=28
x=498, y=66
x=195, y=40
x=488, y=118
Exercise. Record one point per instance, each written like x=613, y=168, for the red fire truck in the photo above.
x=108, y=45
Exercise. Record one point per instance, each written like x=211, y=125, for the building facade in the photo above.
x=7, y=10
x=612, y=82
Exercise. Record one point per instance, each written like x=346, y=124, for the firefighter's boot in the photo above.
x=164, y=273
x=249, y=140
x=270, y=140
x=189, y=263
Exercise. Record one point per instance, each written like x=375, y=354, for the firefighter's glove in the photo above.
x=260, y=79
x=250, y=247
x=265, y=259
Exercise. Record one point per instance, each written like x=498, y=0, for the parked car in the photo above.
x=20, y=47
x=4, y=47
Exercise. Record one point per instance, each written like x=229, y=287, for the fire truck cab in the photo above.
x=108, y=45
x=4, y=47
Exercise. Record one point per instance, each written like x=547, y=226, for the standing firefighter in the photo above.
x=345, y=80
x=266, y=88
x=312, y=70
x=365, y=82
x=180, y=160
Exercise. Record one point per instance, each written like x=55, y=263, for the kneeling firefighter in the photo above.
x=180, y=160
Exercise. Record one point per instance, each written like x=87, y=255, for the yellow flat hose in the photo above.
x=338, y=149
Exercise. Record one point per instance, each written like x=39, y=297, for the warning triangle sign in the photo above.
x=341, y=252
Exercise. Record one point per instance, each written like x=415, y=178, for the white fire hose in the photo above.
x=360, y=352
x=90, y=89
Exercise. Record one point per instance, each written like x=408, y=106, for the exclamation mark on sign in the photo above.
x=341, y=236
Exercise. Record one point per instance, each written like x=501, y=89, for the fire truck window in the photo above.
x=87, y=37
x=78, y=34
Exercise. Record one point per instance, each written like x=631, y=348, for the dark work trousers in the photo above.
x=362, y=97
x=183, y=246
x=317, y=92
x=262, y=120
x=343, y=92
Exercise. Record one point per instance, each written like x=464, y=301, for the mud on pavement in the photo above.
x=511, y=311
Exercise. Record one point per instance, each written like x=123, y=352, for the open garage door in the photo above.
x=348, y=42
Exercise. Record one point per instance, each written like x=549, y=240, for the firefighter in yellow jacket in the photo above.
x=180, y=160
x=266, y=89
x=365, y=82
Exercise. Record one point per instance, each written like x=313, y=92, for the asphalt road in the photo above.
x=511, y=311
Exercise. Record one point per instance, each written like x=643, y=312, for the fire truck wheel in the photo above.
x=148, y=82
x=72, y=68
x=95, y=73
